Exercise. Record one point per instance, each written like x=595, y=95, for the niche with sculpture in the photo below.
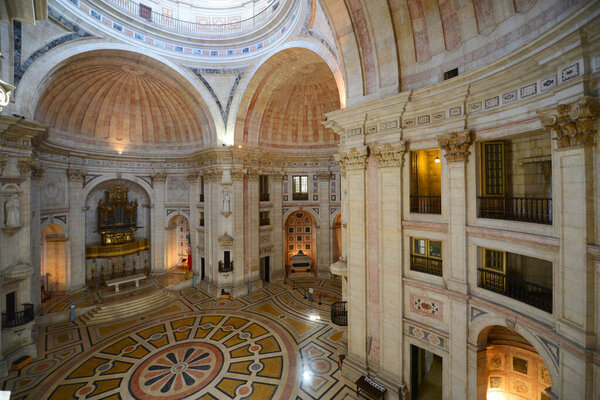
x=11, y=202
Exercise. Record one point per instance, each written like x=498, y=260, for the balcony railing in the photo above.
x=223, y=267
x=518, y=289
x=264, y=197
x=526, y=209
x=339, y=314
x=300, y=196
x=145, y=13
x=426, y=204
x=427, y=265
x=18, y=318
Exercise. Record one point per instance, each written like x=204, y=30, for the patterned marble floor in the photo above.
x=261, y=346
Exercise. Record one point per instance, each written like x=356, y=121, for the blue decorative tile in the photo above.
x=95, y=14
x=178, y=48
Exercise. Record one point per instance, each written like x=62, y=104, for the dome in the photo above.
x=292, y=92
x=123, y=100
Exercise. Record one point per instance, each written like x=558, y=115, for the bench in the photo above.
x=366, y=387
x=126, y=279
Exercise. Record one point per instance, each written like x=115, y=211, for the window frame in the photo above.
x=484, y=169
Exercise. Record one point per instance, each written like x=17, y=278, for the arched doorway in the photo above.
x=178, y=244
x=300, y=236
x=508, y=367
x=53, y=260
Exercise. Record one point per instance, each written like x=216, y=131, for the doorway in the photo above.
x=425, y=373
x=202, y=270
x=10, y=306
x=265, y=270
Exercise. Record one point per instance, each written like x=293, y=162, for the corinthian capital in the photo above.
x=456, y=145
x=573, y=124
x=354, y=158
x=75, y=175
x=159, y=177
x=389, y=154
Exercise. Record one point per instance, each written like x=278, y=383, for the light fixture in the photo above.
x=239, y=146
x=437, y=160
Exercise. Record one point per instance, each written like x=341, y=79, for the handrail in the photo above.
x=145, y=13
x=225, y=267
x=527, y=292
x=339, y=313
x=426, y=265
x=296, y=286
x=527, y=209
x=18, y=318
x=425, y=204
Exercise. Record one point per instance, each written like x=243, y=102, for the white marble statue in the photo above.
x=226, y=202
x=13, y=211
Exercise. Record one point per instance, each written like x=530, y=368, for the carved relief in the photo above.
x=573, y=124
x=355, y=158
x=388, y=154
x=159, y=177
x=178, y=187
x=5, y=92
x=496, y=362
x=75, y=175
x=456, y=145
x=426, y=306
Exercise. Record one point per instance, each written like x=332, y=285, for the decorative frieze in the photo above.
x=456, y=145
x=324, y=176
x=389, y=154
x=355, y=158
x=192, y=177
x=573, y=124
x=237, y=175
x=75, y=175
x=213, y=174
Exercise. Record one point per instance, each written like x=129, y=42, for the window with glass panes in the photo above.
x=493, y=169
x=300, y=187
x=426, y=256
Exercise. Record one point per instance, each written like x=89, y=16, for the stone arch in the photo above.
x=478, y=333
x=262, y=82
x=177, y=241
x=35, y=80
x=303, y=238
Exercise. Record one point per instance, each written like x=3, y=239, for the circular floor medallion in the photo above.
x=176, y=371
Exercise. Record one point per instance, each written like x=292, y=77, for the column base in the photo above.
x=353, y=369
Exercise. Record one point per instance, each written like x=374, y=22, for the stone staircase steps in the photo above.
x=137, y=305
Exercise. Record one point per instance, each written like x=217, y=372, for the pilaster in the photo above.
x=277, y=262
x=253, y=231
x=574, y=128
x=324, y=233
x=390, y=158
x=354, y=162
x=456, y=152
x=35, y=235
x=194, y=193
x=241, y=270
x=76, y=278
x=158, y=264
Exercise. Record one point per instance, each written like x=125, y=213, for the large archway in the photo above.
x=508, y=367
x=286, y=100
x=178, y=242
x=54, y=269
x=125, y=101
x=300, y=237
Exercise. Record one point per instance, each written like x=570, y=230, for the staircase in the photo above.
x=118, y=310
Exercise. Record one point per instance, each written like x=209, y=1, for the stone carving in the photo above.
x=237, y=175
x=226, y=202
x=389, y=154
x=324, y=175
x=426, y=336
x=213, y=174
x=75, y=175
x=159, y=177
x=25, y=166
x=496, y=362
x=12, y=216
x=426, y=306
x=495, y=382
x=253, y=176
x=456, y=145
x=573, y=124
x=178, y=187
x=355, y=158
x=192, y=177
x=52, y=187
x=37, y=173
x=5, y=92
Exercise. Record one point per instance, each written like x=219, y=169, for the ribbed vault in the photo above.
x=286, y=101
x=123, y=99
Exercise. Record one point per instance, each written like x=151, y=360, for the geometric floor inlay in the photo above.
x=257, y=346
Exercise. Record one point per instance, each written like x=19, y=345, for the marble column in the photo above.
x=575, y=127
x=276, y=260
x=324, y=233
x=253, y=231
x=194, y=193
x=241, y=267
x=354, y=161
x=390, y=158
x=158, y=236
x=212, y=227
x=76, y=276
x=455, y=147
